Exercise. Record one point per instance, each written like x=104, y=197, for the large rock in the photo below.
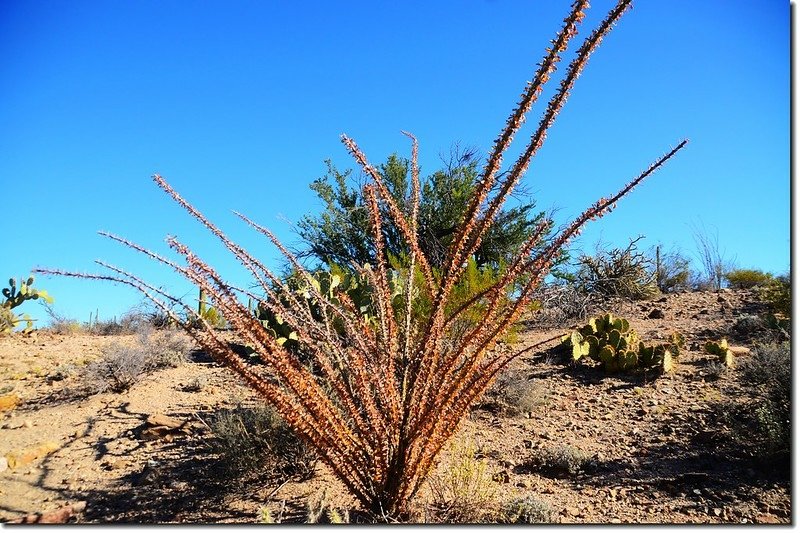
x=158, y=426
x=165, y=421
x=29, y=455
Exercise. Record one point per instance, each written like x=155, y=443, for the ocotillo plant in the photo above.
x=382, y=397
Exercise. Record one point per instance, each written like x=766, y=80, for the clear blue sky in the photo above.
x=238, y=103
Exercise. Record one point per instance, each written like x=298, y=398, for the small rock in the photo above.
x=717, y=511
x=573, y=511
x=656, y=314
x=616, y=521
x=764, y=518
x=164, y=420
x=155, y=433
x=3, y=464
x=114, y=464
x=28, y=424
x=501, y=477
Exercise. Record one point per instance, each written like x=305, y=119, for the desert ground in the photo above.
x=645, y=448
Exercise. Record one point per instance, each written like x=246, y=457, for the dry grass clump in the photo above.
x=382, y=396
x=258, y=441
x=515, y=394
x=462, y=489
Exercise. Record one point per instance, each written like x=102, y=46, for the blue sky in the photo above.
x=239, y=103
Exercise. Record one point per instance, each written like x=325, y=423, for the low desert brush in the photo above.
x=256, y=439
x=561, y=460
x=120, y=365
x=527, y=510
x=381, y=398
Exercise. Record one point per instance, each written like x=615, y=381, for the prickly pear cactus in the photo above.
x=335, y=285
x=720, y=349
x=14, y=298
x=610, y=341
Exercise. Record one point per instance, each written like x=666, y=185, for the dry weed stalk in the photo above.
x=383, y=400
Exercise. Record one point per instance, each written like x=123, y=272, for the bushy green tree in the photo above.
x=340, y=234
x=747, y=278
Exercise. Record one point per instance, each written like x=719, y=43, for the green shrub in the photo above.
x=747, y=278
x=769, y=371
x=257, y=439
x=527, y=510
x=777, y=293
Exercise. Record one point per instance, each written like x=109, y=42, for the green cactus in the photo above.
x=209, y=313
x=14, y=298
x=720, y=349
x=335, y=285
x=677, y=339
x=611, y=342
